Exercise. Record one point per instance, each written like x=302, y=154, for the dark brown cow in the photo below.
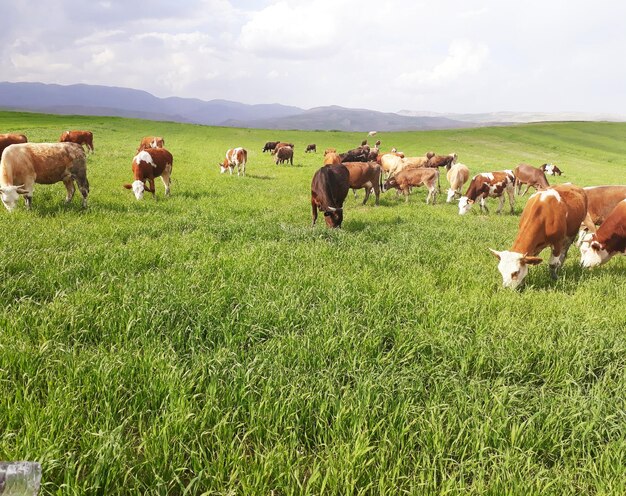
x=81, y=137
x=360, y=154
x=329, y=189
x=148, y=164
x=530, y=176
x=151, y=142
x=280, y=144
x=489, y=184
x=598, y=248
x=311, y=148
x=270, y=146
x=11, y=139
x=407, y=178
x=365, y=175
x=284, y=154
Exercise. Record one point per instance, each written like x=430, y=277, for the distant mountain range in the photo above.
x=86, y=99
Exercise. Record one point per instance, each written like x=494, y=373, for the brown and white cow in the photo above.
x=311, y=148
x=24, y=165
x=284, y=154
x=151, y=142
x=404, y=180
x=530, y=176
x=235, y=157
x=601, y=200
x=332, y=158
x=457, y=175
x=329, y=189
x=366, y=175
x=148, y=164
x=11, y=139
x=81, y=137
x=550, y=218
x=610, y=239
x=489, y=185
x=551, y=169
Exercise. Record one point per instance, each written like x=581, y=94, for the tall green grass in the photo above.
x=214, y=343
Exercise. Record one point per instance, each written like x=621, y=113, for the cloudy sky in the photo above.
x=436, y=55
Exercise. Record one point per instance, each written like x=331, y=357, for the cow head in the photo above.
x=138, y=188
x=513, y=266
x=223, y=166
x=592, y=253
x=333, y=216
x=451, y=194
x=10, y=195
x=465, y=205
x=390, y=183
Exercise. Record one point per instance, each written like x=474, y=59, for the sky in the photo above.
x=441, y=56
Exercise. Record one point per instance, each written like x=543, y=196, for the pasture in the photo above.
x=214, y=343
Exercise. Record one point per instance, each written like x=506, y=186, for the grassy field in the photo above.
x=214, y=343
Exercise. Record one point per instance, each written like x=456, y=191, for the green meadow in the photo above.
x=214, y=343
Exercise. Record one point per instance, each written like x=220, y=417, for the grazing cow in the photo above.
x=148, y=164
x=551, y=169
x=235, y=157
x=330, y=150
x=280, y=144
x=270, y=146
x=610, y=239
x=457, y=175
x=311, y=148
x=332, y=159
x=530, y=176
x=436, y=161
x=151, y=142
x=11, y=139
x=26, y=164
x=489, y=184
x=284, y=154
x=550, y=218
x=360, y=154
x=365, y=175
x=601, y=200
x=372, y=133
x=406, y=179
x=80, y=137
x=329, y=189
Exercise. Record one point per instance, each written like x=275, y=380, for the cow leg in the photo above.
x=483, y=205
x=367, y=194
x=511, y=194
x=314, y=209
x=243, y=169
x=354, y=191
x=167, y=180
x=526, y=190
x=69, y=186
x=376, y=192
x=501, y=204
x=152, y=187
x=559, y=252
x=406, y=192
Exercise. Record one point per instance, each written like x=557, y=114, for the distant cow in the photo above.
x=489, y=184
x=148, y=164
x=372, y=133
x=284, y=154
x=11, y=139
x=360, y=154
x=598, y=248
x=235, y=157
x=530, y=176
x=151, y=142
x=80, y=137
x=329, y=189
x=26, y=164
x=270, y=146
x=377, y=144
x=407, y=178
x=311, y=148
x=550, y=218
x=280, y=144
x=457, y=176
x=365, y=175
x=332, y=159
x=551, y=169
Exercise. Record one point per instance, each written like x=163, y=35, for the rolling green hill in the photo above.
x=214, y=343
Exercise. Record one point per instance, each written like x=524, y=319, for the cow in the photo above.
x=235, y=157
x=329, y=189
x=270, y=146
x=372, y=156
x=26, y=164
x=11, y=139
x=372, y=133
x=392, y=164
x=530, y=176
x=489, y=184
x=365, y=175
x=284, y=154
x=457, y=175
x=416, y=162
x=360, y=154
x=148, y=164
x=446, y=161
x=332, y=159
x=151, y=142
x=330, y=150
x=311, y=148
x=406, y=179
x=601, y=200
x=280, y=144
x=551, y=169
x=550, y=218
x=610, y=239
x=81, y=137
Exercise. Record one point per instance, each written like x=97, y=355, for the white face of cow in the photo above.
x=450, y=196
x=138, y=189
x=592, y=253
x=10, y=196
x=514, y=267
x=465, y=205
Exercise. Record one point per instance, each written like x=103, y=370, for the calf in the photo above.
x=148, y=164
x=610, y=239
x=530, y=176
x=550, y=218
x=551, y=169
x=24, y=165
x=11, y=139
x=270, y=146
x=488, y=184
x=332, y=159
x=311, y=148
x=284, y=154
x=80, y=137
x=235, y=157
x=404, y=180
x=365, y=175
x=457, y=175
x=329, y=189
x=151, y=142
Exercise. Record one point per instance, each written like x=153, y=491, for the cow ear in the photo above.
x=531, y=260
x=495, y=253
x=21, y=190
x=128, y=186
x=470, y=202
x=596, y=246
